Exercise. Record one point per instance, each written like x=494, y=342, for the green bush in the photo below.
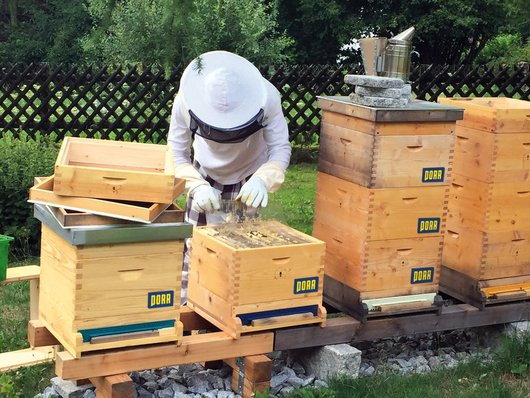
x=21, y=159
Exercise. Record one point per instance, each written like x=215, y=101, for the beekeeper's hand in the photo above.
x=205, y=199
x=254, y=192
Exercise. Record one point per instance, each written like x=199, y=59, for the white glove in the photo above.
x=205, y=199
x=254, y=193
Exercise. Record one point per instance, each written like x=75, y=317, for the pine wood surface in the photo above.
x=492, y=158
x=105, y=169
x=252, y=267
x=43, y=193
x=377, y=214
x=495, y=115
x=106, y=285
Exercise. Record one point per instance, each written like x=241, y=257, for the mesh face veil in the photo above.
x=226, y=135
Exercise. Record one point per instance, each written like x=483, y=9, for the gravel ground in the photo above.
x=408, y=354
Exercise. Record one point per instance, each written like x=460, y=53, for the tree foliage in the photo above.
x=36, y=31
x=447, y=31
x=320, y=27
x=169, y=32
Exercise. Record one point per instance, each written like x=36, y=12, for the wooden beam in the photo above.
x=346, y=329
x=39, y=336
x=337, y=330
x=193, y=321
x=117, y=386
x=454, y=317
x=256, y=368
x=34, y=286
x=26, y=357
x=195, y=348
x=19, y=274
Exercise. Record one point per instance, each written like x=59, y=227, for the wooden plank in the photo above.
x=257, y=368
x=195, y=348
x=20, y=274
x=116, y=386
x=26, y=357
x=346, y=329
x=39, y=336
x=338, y=330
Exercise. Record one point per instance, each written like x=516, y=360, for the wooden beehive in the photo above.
x=374, y=242
x=497, y=115
x=379, y=148
x=486, y=257
x=488, y=227
x=117, y=170
x=101, y=296
x=255, y=276
x=492, y=158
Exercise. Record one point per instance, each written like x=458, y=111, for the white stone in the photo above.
x=374, y=81
x=379, y=92
x=68, y=389
x=332, y=361
x=379, y=102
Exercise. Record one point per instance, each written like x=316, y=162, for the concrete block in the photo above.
x=374, y=81
x=331, y=361
x=378, y=102
x=68, y=389
x=378, y=92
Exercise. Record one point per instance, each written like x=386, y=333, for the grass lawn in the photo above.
x=507, y=376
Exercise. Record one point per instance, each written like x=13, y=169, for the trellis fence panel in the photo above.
x=135, y=103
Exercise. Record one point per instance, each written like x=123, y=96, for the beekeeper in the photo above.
x=234, y=118
x=240, y=139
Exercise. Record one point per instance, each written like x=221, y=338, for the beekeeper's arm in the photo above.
x=270, y=176
x=205, y=197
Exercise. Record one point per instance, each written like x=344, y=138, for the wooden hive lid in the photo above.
x=256, y=234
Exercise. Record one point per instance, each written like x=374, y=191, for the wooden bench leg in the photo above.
x=251, y=374
x=117, y=386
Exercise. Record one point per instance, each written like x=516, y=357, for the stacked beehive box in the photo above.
x=256, y=275
x=486, y=253
x=107, y=281
x=381, y=202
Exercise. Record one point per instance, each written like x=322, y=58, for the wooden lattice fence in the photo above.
x=135, y=103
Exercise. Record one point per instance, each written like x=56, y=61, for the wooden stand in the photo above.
x=481, y=293
x=350, y=301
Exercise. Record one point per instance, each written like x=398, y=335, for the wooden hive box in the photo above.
x=374, y=242
x=96, y=296
x=488, y=228
x=43, y=192
x=381, y=213
x=497, y=115
x=383, y=148
x=255, y=276
x=492, y=158
x=117, y=170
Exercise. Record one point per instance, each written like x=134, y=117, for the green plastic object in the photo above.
x=4, y=246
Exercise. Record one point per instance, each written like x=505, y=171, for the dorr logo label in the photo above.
x=433, y=174
x=160, y=299
x=421, y=275
x=428, y=225
x=306, y=285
